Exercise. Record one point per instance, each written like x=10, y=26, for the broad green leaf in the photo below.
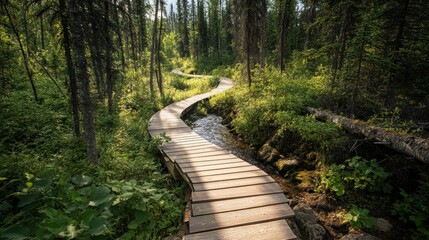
x=81, y=180
x=140, y=218
x=3, y=178
x=42, y=182
x=28, y=199
x=98, y=226
x=15, y=232
x=56, y=225
x=100, y=195
x=5, y=206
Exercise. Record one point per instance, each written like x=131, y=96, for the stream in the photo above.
x=211, y=128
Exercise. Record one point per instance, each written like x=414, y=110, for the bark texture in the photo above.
x=407, y=144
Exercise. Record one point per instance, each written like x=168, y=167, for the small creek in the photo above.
x=211, y=128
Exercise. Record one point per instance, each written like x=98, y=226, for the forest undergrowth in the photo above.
x=49, y=189
x=357, y=180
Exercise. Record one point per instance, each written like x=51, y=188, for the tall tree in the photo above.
x=24, y=54
x=76, y=11
x=153, y=48
x=72, y=86
x=108, y=47
x=185, y=29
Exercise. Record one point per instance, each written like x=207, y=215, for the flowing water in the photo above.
x=210, y=127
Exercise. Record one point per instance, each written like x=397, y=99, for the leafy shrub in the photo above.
x=79, y=208
x=358, y=218
x=356, y=174
x=179, y=83
x=414, y=208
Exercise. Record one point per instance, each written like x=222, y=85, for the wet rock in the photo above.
x=358, y=236
x=286, y=165
x=268, y=153
x=293, y=202
x=382, y=225
x=294, y=228
x=308, y=223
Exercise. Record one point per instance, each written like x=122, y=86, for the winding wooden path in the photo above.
x=231, y=199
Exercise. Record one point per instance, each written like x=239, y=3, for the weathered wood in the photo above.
x=232, y=183
x=205, y=158
x=224, y=177
x=215, y=167
x=197, y=148
x=236, y=192
x=228, y=192
x=404, y=143
x=210, y=163
x=235, y=204
x=276, y=230
x=184, y=155
x=239, y=218
x=223, y=171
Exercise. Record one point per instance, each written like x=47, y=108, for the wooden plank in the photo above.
x=223, y=171
x=239, y=218
x=235, y=204
x=205, y=159
x=179, y=147
x=235, y=192
x=180, y=155
x=276, y=230
x=156, y=132
x=224, y=177
x=179, y=141
x=210, y=163
x=232, y=183
x=193, y=149
x=215, y=167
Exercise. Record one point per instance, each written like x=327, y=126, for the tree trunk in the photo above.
x=119, y=35
x=158, y=53
x=142, y=25
x=95, y=49
x=77, y=31
x=283, y=32
x=70, y=68
x=109, y=46
x=407, y=144
x=185, y=28
x=248, y=40
x=153, y=49
x=131, y=29
x=23, y=53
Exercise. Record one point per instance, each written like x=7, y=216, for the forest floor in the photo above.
x=327, y=209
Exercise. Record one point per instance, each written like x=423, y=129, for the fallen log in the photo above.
x=404, y=143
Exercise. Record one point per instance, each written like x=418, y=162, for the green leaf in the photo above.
x=5, y=206
x=98, y=226
x=56, y=225
x=28, y=199
x=140, y=218
x=29, y=176
x=3, y=178
x=100, y=195
x=42, y=182
x=81, y=180
x=15, y=232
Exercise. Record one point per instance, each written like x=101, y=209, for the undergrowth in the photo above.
x=50, y=190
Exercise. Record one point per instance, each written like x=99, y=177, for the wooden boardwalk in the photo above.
x=231, y=199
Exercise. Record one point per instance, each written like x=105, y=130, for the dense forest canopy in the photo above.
x=79, y=80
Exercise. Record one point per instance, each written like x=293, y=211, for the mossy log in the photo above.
x=404, y=143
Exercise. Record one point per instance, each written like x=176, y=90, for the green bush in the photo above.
x=414, y=209
x=77, y=207
x=358, y=218
x=357, y=174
